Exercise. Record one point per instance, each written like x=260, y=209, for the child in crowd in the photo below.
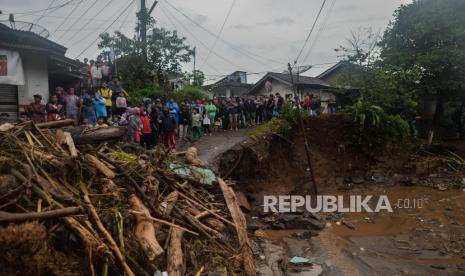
x=114, y=121
x=217, y=125
x=134, y=125
x=121, y=103
x=206, y=123
x=101, y=123
x=146, y=138
x=196, y=124
x=89, y=113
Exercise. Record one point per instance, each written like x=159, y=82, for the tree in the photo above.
x=198, y=78
x=390, y=87
x=166, y=51
x=429, y=34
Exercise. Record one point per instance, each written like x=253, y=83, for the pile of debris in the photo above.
x=73, y=203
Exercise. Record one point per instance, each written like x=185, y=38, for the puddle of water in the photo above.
x=277, y=234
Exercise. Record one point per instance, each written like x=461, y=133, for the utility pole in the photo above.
x=302, y=129
x=143, y=27
x=144, y=17
x=194, y=57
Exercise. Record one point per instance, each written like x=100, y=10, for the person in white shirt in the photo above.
x=105, y=72
x=206, y=123
x=96, y=72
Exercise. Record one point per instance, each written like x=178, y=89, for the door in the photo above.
x=8, y=102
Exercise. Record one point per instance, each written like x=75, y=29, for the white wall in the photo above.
x=35, y=78
x=277, y=87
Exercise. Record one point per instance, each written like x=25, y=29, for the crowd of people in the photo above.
x=156, y=121
x=100, y=101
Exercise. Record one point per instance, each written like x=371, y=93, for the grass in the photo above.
x=275, y=125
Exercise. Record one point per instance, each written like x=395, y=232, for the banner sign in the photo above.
x=11, y=68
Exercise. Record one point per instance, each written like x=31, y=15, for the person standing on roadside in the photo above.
x=106, y=93
x=196, y=125
x=233, y=110
x=184, y=122
x=36, y=110
x=250, y=111
x=55, y=110
x=211, y=109
x=96, y=73
x=146, y=138
x=206, y=123
x=168, y=129
x=72, y=103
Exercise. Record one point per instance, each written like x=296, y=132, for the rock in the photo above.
x=305, y=235
x=358, y=180
x=298, y=221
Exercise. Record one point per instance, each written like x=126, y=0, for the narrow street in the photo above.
x=211, y=147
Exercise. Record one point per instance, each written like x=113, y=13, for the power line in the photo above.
x=241, y=51
x=90, y=21
x=311, y=30
x=320, y=30
x=116, y=19
x=187, y=30
x=199, y=40
x=77, y=18
x=43, y=14
x=23, y=14
x=126, y=18
x=219, y=33
x=69, y=14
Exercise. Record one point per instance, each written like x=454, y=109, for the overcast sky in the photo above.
x=259, y=35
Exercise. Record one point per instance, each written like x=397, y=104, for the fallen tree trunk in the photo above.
x=97, y=136
x=145, y=231
x=100, y=166
x=55, y=124
x=241, y=226
x=19, y=217
x=175, y=257
x=64, y=138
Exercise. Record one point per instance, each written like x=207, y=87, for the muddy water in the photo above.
x=427, y=238
x=423, y=239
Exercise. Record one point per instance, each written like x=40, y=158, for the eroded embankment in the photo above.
x=427, y=240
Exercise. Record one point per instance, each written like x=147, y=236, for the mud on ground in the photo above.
x=409, y=241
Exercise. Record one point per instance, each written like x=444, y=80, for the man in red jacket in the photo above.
x=146, y=138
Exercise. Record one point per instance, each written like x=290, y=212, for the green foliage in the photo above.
x=136, y=96
x=196, y=78
x=375, y=128
x=391, y=87
x=189, y=93
x=166, y=51
x=428, y=34
x=290, y=113
x=275, y=125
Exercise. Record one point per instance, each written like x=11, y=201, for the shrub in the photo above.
x=375, y=128
x=189, y=93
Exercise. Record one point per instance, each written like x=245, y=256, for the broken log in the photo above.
x=175, y=256
x=55, y=124
x=96, y=136
x=241, y=226
x=64, y=138
x=145, y=231
x=100, y=166
x=19, y=217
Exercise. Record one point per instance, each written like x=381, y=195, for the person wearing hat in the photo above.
x=36, y=110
